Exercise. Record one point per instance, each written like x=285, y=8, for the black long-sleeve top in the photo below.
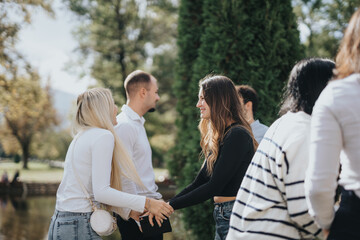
x=235, y=154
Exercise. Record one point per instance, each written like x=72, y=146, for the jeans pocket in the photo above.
x=66, y=229
x=225, y=214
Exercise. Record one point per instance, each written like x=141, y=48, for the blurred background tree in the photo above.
x=27, y=110
x=125, y=35
x=9, y=27
x=184, y=163
x=26, y=107
x=324, y=22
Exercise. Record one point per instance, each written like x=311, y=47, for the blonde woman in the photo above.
x=98, y=158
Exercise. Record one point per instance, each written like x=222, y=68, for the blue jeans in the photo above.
x=71, y=226
x=222, y=213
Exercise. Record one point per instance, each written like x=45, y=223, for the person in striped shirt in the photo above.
x=270, y=203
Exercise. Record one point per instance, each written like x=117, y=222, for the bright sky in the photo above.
x=49, y=45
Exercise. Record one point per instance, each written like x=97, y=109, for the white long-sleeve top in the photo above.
x=92, y=159
x=270, y=203
x=335, y=138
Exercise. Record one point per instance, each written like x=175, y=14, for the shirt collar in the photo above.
x=132, y=114
x=256, y=122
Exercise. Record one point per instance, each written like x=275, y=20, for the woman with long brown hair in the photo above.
x=227, y=145
x=335, y=138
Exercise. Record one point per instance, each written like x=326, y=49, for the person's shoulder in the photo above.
x=292, y=129
x=124, y=122
x=126, y=128
x=346, y=82
x=123, y=118
x=337, y=89
x=258, y=126
x=263, y=126
x=237, y=132
x=294, y=121
x=98, y=133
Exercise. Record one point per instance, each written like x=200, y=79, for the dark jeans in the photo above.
x=222, y=213
x=346, y=225
x=129, y=230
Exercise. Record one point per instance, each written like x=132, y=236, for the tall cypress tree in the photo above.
x=185, y=162
x=252, y=42
x=271, y=49
x=185, y=88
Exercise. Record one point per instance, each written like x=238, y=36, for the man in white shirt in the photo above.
x=250, y=102
x=142, y=96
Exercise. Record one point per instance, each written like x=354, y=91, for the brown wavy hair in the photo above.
x=348, y=57
x=225, y=107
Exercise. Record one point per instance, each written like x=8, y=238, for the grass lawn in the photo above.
x=37, y=172
x=42, y=172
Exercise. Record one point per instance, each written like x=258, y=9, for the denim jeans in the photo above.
x=347, y=222
x=222, y=213
x=71, y=226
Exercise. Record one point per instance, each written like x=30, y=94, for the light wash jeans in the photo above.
x=222, y=213
x=71, y=226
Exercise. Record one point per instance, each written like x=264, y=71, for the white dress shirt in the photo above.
x=131, y=131
x=92, y=156
x=335, y=138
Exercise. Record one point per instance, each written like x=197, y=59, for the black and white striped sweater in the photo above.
x=270, y=203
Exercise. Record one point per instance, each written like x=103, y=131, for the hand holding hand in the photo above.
x=158, y=208
x=135, y=215
x=151, y=220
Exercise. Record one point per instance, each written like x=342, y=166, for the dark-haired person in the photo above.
x=227, y=145
x=271, y=202
x=142, y=95
x=335, y=129
x=250, y=99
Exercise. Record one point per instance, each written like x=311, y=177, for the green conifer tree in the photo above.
x=252, y=42
x=272, y=48
x=185, y=162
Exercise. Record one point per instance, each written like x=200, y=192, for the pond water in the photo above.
x=29, y=219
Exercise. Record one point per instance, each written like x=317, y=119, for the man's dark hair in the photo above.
x=307, y=79
x=248, y=94
x=135, y=80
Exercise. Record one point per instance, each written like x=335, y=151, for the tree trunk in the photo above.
x=25, y=155
x=121, y=24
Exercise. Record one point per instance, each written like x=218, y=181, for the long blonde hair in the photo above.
x=95, y=108
x=224, y=103
x=348, y=57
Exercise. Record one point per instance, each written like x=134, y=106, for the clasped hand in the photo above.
x=154, y=208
